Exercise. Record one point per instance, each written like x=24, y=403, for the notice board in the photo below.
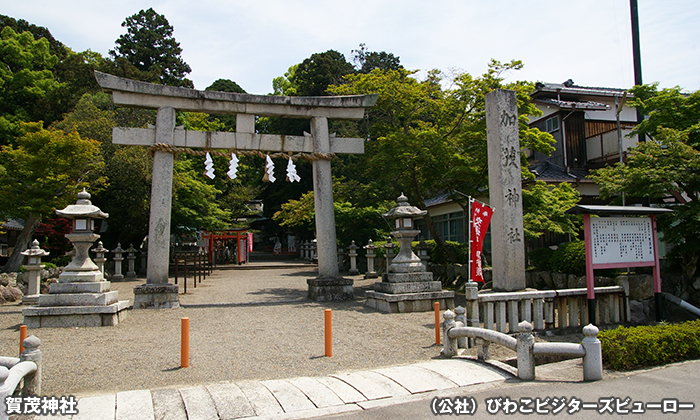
x=622, y=240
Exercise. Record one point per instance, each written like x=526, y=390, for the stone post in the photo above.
x=100, y=259
x=524, y=350
x=505, y=191
x=31, y=353
x=33, y=267
x=460, y=316
x=352, y=253
x=323, y=201
x=118, y=259
x=314, y=247
x=370, y=247
x=593, y=359
x=450, y=344
x=471, y=294
x=131, y=257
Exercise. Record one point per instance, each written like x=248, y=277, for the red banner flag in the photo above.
x=480, y=219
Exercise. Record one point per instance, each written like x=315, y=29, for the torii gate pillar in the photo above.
x=323, y=202
x=158, y=292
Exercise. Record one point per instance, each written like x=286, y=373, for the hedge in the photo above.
x=627, y=348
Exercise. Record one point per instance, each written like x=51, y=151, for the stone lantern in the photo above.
x=131, y=257
x=33, y=267
x=406, y=261
x=83, y=213
x=82, y=297
x=100, y=259
x=407, y=286
x=422, y=250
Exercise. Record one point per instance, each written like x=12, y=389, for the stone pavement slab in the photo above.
x=319, y=394
x=134, y=405
x=230, y=401
x=168, y=404
x=416, y=379
x=96, y=408
x=345, y=392
x=198, y=404
x=293, y=398
x=289, y=397
x=262, y=400
x=464, y=374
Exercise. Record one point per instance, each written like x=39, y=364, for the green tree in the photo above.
x=27, y=83
x=353, y=223
x=149, y=46
x=195, y=201
x=366, y=61
x=546, y=206
x=425, y=138
x=315, y=74
x=663, y=168
x=43, y=172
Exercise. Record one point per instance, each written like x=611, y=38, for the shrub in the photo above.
x=570, y=258
x=541, y=259
x=627, y=348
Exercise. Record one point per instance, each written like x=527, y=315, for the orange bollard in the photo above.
x=185, y=347
x=22, y=336
x=329, y=332
x=437, y=323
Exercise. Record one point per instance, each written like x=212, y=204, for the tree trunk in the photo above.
x=16, y=258
x=690, y=264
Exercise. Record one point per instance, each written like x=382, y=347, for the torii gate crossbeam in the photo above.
x=157, y=292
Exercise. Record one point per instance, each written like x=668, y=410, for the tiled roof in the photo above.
x=573, y=104
x=569, y=87
x=437, y=200
x=547, y=171
x=13, y=224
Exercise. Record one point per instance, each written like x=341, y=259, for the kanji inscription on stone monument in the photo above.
x=508, y=252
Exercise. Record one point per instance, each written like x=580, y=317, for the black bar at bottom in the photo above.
x=591, y=311
x=657, y=303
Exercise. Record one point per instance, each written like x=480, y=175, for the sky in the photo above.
x=253, y=41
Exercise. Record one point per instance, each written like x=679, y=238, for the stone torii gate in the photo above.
x=165, y=138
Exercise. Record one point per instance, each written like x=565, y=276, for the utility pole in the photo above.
x=637, y=56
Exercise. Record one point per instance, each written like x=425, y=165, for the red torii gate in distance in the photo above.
x=239, y=235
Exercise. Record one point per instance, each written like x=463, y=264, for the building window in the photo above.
x=451, y=226
x=552, y=124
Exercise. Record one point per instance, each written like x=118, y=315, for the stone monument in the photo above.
x=505, y=191
x=82, y=297
x=407, y=286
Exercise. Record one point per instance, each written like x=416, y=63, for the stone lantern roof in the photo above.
x=83, y=207
x=403, y=209
x=35, y=250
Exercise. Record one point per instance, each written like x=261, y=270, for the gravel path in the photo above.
x=244, y=324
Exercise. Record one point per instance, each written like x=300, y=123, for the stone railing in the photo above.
x=545, y=309
x=525, y=347
x=13, y=370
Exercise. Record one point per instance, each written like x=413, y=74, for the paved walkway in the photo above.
x=291, y=398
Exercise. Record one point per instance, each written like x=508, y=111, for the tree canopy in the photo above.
x=665, y=167
x=425, y=139
x=149, y=46
x=32, y=189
